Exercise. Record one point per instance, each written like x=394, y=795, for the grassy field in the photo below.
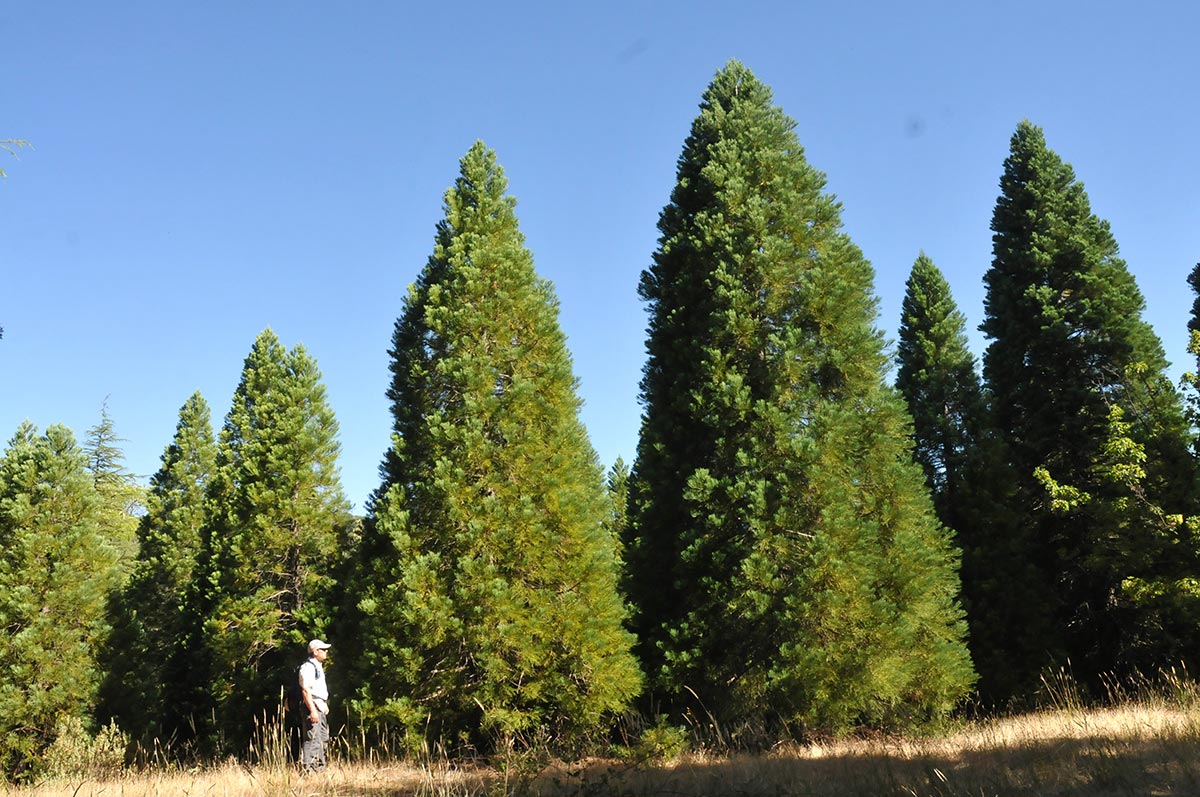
x=1143, y=747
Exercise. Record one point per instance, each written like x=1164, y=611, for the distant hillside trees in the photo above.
x=783, y=555
x=488, y=600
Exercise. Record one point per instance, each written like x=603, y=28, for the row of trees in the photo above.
x=1069, y=472
x=798, y=545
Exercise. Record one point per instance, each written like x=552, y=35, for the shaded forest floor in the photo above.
x=1135, y=749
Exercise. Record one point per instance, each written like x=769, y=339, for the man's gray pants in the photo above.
x=316, y=736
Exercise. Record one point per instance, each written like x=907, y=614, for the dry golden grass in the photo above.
x=1145, y=748
x=1134, y=750
x=233, y=780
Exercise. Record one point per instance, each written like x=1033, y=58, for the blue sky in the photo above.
x=202, y=171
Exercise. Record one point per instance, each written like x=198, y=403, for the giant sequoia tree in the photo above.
x=938, y=380
x=964, y=466
x=1095, y=433
x=783, y=554
x=148, y=621
x=56, y=570
x=488, y=604
x=277, y=507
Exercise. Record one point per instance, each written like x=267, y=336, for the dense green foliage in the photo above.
x=122, y=497
x=148, y=622
x=788, y=553
x=783, y=555
x=1093, y=432
x=487, y=597
x=1191, y=379
x=264, y=583
x=938, y=380
x=618, y=497
x=961, y=456
x=57, y=568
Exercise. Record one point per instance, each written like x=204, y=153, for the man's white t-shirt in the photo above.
x=312, y=679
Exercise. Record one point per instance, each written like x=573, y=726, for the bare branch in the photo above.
x=11, y=145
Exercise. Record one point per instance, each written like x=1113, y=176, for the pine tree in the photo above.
x=1068, y=347
x=1191, y=380
x=963, y=464
x=56, y=571
x=939, y=383
x=148, y=622
x=783, y=553
x=123, y=497
x=490, y=610
x=618, y=496
x=277, y=510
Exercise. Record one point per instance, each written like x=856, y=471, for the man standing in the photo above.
x=314, y=690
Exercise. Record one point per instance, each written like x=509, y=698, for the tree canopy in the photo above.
x=488, y=604
x=782, y=554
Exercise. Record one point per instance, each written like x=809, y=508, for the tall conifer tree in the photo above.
x=148, y=622
x=938, y=380
x=1077, y=383
x=123, y=496
x=1191, y=380
x=489, y=607
x=618, y=495
x=277, y=508
x=57, y=569
x=963, y=464
x=783, y=554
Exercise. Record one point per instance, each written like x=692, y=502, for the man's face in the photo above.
x=320, y=654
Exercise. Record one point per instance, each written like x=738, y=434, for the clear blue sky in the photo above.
x=203, y=171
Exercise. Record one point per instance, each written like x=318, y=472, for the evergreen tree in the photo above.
x=56, y=570
x=1191, y=380
x=618, y=496
x=277, y=509
x=148, y=624
x=963, y=464
x=1068, y=345
x=939, y=383
x=489, y=606
x=783, y=553
x=123, y=497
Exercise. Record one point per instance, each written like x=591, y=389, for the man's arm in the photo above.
x=313, y=716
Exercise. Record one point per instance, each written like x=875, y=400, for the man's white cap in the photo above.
x=318, y=644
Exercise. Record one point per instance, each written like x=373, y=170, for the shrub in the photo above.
x=77, y=753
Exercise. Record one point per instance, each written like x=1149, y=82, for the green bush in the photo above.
x=75, y=752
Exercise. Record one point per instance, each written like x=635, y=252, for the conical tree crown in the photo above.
x=766, y=422
x=123, y=496
x=1062, y=311
x=1078, y=388
x=938, y=380
x=57, y=568
x=148, y=624
x=492, y=601
x=277, y=506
